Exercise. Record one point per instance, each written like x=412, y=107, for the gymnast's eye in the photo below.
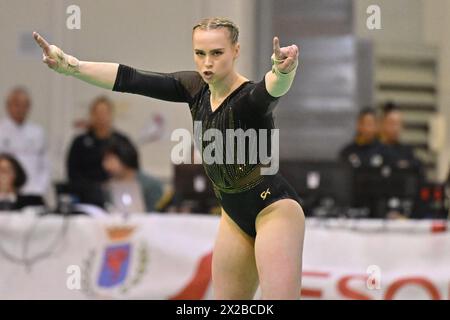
x=217, y=53
x=199, y=53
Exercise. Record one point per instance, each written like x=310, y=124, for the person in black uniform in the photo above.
x=363, y=154
x=401, y=160
x=261, y=230
x=364, y=150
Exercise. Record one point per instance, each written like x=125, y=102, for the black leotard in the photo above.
x=249, y=106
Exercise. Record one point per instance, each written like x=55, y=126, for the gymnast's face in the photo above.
x=214, y=54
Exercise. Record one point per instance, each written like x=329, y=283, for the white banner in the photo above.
x=169, y=257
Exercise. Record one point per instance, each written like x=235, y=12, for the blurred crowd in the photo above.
x=102, y=164
x=103, y=167
x=388, y=178
x=377, y=141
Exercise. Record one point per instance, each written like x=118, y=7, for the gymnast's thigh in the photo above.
x=233, y=265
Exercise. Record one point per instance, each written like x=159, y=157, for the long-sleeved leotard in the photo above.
x=250, y=106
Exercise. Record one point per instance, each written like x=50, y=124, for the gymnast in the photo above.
x=262, y=225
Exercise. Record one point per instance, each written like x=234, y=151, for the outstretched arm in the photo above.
x=177, y=86
x=101, y=74
x=285, y=62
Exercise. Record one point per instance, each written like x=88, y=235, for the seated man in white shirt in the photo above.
x=25, y=141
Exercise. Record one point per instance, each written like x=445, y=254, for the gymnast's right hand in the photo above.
x=55, y=58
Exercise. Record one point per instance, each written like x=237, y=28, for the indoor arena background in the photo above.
x=372, y=232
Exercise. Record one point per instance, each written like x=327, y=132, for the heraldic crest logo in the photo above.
x=118, y=267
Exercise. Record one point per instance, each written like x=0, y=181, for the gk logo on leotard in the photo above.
x=265, y=193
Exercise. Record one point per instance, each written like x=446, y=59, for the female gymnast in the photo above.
x=261, y=230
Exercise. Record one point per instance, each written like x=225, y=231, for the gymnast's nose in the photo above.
x=208, y=62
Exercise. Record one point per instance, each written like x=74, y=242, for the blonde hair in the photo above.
x=219, y=22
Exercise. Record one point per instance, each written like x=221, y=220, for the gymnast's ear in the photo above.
x=237, y=50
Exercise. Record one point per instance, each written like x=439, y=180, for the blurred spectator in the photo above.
x=447, y=194
x=396, y=154
x=25, y=141
x=400, y=159
x=84, y=162
x=364, y=150
x=121, y=161
x=12, y=178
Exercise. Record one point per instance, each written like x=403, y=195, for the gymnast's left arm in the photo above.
x=284, y=66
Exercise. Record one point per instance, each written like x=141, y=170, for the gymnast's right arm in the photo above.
x=101, y=74
x=177, y=87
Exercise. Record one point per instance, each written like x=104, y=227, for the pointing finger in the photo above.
x=41, y=42
x=276, y=47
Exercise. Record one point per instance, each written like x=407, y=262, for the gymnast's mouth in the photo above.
x=208, y=73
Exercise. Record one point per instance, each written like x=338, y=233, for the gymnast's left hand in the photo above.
x=285, y=58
